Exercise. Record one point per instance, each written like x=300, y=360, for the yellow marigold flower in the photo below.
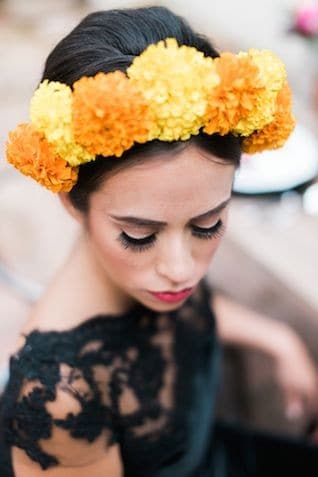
x=51, y=114
x=273, y=75
x=175, y=80
x=109, y=114
x=275, y=134
x=272, y=69
x=29, y=151
x=236, y=95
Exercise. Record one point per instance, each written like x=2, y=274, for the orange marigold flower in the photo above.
x=275, y=134
x=236, y=95
x=109, y=114
x=34, y=156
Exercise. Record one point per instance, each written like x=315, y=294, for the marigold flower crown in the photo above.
x=169, y=92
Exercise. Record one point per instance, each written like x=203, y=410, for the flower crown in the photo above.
x=169, y=93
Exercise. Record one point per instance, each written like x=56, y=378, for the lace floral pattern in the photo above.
x=123, y=379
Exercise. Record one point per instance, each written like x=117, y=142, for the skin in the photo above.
x=178, y=259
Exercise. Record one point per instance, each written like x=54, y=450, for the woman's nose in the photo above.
x=175, y=262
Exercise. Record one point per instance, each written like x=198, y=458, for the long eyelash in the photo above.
x=216, y=230
x=137, y=245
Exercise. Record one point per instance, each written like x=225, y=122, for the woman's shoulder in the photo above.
x=69, y=384
x=55, y=409
x=69, y=300
x=74, y=294
x=53, y=336
x=54, y=315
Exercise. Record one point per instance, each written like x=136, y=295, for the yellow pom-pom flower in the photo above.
x=169, y=93
x=51, y=114
x=272, y=69
x=175, y=80
x=273, y=75
x=29, y=152
x=275, y=134
x=236, y=95
x=109, y=114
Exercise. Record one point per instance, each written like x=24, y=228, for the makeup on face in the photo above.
x=156, y=227
x=171, y=297
x=140, y=244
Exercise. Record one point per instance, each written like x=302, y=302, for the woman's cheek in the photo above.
x=120, y=261
x=211, y=250
x=208, y=250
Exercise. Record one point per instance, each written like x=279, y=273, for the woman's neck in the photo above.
x=84, y=262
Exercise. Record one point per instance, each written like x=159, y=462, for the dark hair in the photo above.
x=106, y=41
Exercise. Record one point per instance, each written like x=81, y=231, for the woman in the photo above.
x=117, y=370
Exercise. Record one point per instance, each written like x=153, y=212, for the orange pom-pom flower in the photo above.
x=109, y=114
x=275, y=134
x=236, y=95
x=29, y=152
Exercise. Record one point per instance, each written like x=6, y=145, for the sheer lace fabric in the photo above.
x=127, y=379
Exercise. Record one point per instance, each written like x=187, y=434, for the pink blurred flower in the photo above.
x=306, y=21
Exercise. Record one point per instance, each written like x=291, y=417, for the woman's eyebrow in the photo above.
x=144, y=222
x=213, y=211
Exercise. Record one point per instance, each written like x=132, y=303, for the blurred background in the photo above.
x=269, y=259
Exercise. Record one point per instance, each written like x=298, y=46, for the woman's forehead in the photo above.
x=189, y=182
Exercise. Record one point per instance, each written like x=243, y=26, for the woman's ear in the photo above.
x=73, y=211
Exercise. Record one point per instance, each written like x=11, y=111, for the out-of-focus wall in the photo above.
x=248, y=22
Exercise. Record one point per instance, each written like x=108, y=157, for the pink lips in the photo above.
x=170, y=297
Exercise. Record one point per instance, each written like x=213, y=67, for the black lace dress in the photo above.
x=144, y=380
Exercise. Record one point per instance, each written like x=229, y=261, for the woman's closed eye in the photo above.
x=144, y=243
x=210, y=232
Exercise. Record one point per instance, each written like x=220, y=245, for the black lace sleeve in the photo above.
x=131, y=380
x=59, y=400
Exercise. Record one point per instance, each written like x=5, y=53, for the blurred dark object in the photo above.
x=312, y=430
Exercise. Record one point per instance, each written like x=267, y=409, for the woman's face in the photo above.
x=155, y=226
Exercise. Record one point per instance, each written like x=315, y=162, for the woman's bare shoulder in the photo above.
x=69, y=300
x=56, y=372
